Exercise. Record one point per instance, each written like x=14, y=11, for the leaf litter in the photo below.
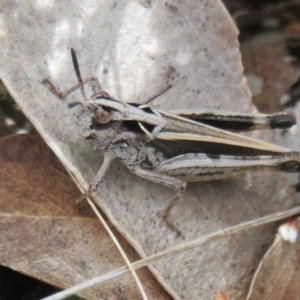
x=135, y=73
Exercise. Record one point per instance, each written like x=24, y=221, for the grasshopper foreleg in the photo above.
x=97, y=179
x=168, y=211
x=92, y=80
x=62, y=95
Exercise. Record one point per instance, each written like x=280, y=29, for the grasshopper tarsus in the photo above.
x=172, y=226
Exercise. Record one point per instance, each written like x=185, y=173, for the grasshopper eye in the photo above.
x=101, y=116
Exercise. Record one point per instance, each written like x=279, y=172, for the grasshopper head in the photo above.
x=101, y=116
x=102, y=129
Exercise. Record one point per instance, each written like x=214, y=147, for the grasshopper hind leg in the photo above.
x=168, y=181
x=97, y=179
x=168, y=211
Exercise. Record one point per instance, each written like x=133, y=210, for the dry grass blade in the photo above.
x=116, y=242
x=177, y=249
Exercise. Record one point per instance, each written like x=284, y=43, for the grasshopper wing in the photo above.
x=239, y=121
x=182, y=130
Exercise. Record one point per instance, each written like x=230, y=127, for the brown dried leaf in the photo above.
x=129, y=46
x=269, y=72
x=44, y=236
x=278, y=275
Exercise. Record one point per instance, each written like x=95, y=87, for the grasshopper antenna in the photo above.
x=93, y=81
x=78, y=74
x=95, y=84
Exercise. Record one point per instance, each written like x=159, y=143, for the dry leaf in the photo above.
x=43, y=235
x=129, y=46
x=278, y=275
x=268, y=70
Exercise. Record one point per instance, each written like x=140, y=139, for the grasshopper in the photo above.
x=177, y=147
